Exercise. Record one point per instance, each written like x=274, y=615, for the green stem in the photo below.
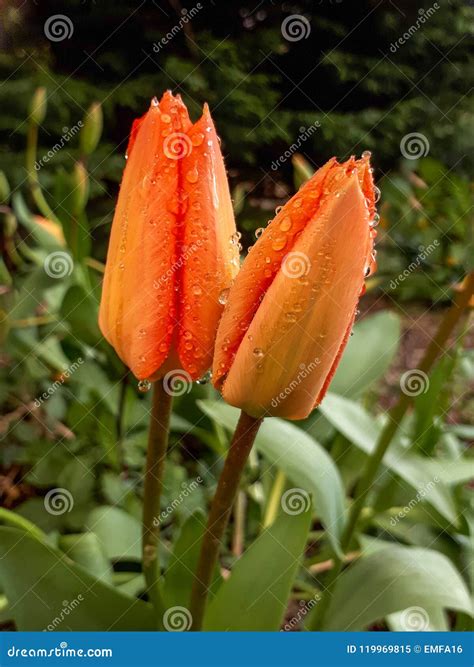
x=274, y=500
x=226, y=491
x=155, y=460
x=395, y=416
x=33, y=180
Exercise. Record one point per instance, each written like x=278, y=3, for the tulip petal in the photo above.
x=262, y=264
x=210, y=258
x=138, y=310
x=299, y=329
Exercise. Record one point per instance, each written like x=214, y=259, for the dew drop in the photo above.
x=197, y=290
x=197, y=139
x=290, y=317
x=141, y=333
x=223, y=296
x=258, y=232
x=366, y=155
x=285, y=224
x=377, y=194
x=165, y=118
x=205, y=378
x=279, y=243
x=375, y=221
x=144, y=386
x=258, y=352
x=154, y=102
x=192, y=175
x=278, y=209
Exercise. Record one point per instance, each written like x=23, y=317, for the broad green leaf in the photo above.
x=183, y=562
x=41, y=583
x=393, y=579
x=256, y=594
x=119, y=533
x=302, y=459
x=86, y=550
x=359, y=427
x=368, y=354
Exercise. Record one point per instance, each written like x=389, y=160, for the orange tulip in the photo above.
x=292, y=306
x=171, y=251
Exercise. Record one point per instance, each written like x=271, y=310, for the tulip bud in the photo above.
x=38, y=106
x=291, y=308
x=4, y=189
x=172, y=254
x=92, y=129
x=80, y=193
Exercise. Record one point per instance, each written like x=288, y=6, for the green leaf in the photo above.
x=302, y=459
x=119, y=533
x=183, y=562
x=256, y=594
x=368, y=354
x=393, y=579
x=41, y=583
x=360, y=428
x=86, y=550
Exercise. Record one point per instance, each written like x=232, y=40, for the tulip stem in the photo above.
x=395, y=416
x=155, y=461
x=221, y=507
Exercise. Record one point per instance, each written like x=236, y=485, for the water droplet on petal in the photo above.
x=192, y=175
x=223, y=296
x=285, y=224
x=197, y=140
x=165, y=118
x=279, y=243
x=144, y=386
x=258, y=232
x=366, y=155
x=375, y=221
x=258, y=352
x=197, y=290
x=377, y=194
